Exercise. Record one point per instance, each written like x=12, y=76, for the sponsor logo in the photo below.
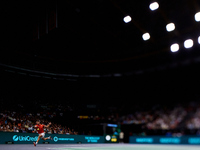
x=92, y=139
x=114, y=138
x=15, y=138
x=144, y=140
x=24, y=138
x=194, y=140
x=108, y=138
x=55, y=139
x=170, y=140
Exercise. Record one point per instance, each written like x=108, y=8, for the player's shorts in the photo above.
x=43, y=135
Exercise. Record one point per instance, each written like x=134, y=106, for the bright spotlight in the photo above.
x=188, y=43
x=146, y=36
x=174, y=47
x=197, y=17
x=199, y=39
x=127, y=19
x=154, y=6
x=170, y=27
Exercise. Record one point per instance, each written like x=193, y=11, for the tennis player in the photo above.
x=40, y=129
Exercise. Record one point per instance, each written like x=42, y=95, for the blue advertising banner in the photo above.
x=29, y=138
x=164, y=140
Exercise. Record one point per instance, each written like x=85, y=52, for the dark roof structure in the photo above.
x=76, y=38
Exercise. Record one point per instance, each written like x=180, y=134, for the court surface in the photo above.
x=98, y=147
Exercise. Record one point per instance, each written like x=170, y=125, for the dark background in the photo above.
x=81, y=53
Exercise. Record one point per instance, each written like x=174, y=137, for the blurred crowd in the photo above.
x=159, y=119
x=19, y=118
x=24, y=123
x=193, y=121
x=166, y=118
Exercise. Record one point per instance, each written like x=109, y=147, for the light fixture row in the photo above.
x=187, y=44
x=153, y=6
x=169, y=27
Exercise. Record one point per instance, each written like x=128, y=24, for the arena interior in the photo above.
x=100, y=74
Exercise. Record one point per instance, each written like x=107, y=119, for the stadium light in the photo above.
x=146, y=36
x=127, y=19
x=154, y=6
x=170, y=27
x=188, y=43
x=199, y=39
x=197, y=17
x=174, y=47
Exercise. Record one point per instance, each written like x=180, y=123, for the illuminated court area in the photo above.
x=99, y=147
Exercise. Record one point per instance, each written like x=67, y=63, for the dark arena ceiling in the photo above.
x=76, y=38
